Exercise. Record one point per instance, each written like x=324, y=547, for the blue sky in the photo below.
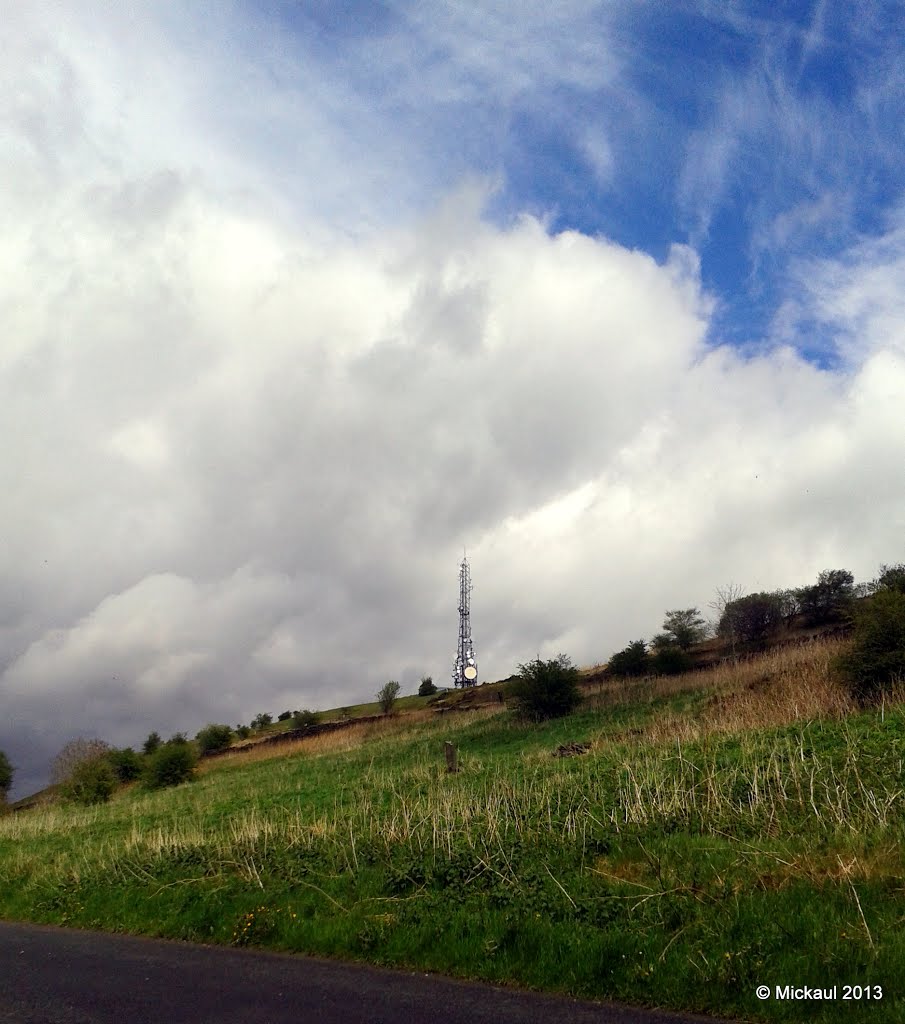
x=298, y=300
x=762, y=135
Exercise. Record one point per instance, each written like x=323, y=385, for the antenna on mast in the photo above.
x=465, y=672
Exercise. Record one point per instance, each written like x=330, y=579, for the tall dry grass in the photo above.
x=781, y=686
x=352, y=736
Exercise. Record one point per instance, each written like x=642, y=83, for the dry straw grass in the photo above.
x=352, y=736
x=782, y=686
x=413, y=802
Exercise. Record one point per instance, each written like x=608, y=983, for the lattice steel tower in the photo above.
x=466, y=670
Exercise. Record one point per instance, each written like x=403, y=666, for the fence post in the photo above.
x=451, y=765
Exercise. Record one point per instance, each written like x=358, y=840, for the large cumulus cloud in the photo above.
x=244, y=449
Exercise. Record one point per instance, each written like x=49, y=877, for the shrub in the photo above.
x=261, y=721
x=892, y=577
x=6, y=776
x=284, y=716
x=152, y=743
x=877, y=654
x=789, y=605
x=73, y=754
x=90, y=782
x=169, y=765
x=126, y=764
x=829, y=599
x=546, y=689
x=427, y=688
x=386, y=696
x=631, y=661
x=213, y=738
x=178, y=738
x=671, y=660
x=303, y=719
x=243, y=732
x=752, y=618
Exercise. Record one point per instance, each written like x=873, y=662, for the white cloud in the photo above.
x=245, y=448
x=328, y=427
x=860, y=294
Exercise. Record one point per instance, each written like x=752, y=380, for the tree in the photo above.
x=73, y=754
x=630, y=661
x=214, y=738
x=427, y=688
x=661, y=641
x=685, y=626
x=152, y=743
x=6, y=776
x=261, y=721
x=386, y=696
x=546, y=689
x=829, y=599
x=284, y=716
x=304, y=719
x=892, y=577
x=752, y=618
x=91, y=781
x=169, y=765
x=877, y=655
x=790, y=606
x=726, y=595
x=126, y=764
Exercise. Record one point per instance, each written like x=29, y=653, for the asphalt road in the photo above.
x=63, y=976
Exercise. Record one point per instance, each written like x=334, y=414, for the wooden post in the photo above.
x=451, y=765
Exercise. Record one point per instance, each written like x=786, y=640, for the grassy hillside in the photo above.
x=729, y=828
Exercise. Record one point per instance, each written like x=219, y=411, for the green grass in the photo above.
x=411, y=702
x=669, y=874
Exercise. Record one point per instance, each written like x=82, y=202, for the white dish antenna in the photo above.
x=470, y=672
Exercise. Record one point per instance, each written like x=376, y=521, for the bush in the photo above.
x=303, y=719
x=829, y=599
x=671, y=661
x=6, y=776
x=631, y=661
x=126, y=764
x=892, y=577
x=546, y=689
x=789, y=606
x=73, y=754
x=90, y=782
x=877, y=655
x=169, y=765
x=152, y=743
x=427, y=688
x=386, y=696
x=213, y=738
x=261, y=721
x=752, y=618
x=284, y=716
x=243, y=732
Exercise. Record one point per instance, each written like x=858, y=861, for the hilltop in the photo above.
x=675, y=842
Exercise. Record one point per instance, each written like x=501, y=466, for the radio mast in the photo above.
x=466, y=670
